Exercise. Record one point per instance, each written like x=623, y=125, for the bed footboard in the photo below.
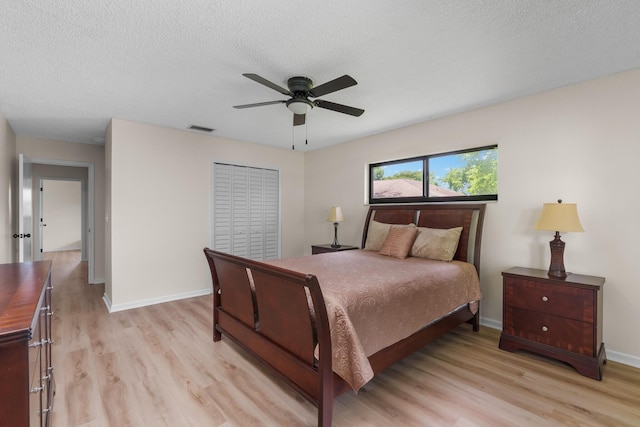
x=267, y=310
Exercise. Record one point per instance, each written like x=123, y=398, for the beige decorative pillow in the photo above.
x=375, y=235
x=398, y=241
x=436, y=243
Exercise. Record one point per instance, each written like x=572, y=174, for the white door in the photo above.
x=23, y=234
x=61, y=220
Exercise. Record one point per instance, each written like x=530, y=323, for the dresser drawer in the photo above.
x=560, y=332
x=566, y=301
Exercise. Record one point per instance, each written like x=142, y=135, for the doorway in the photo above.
x=61, y=215
x=57, y=169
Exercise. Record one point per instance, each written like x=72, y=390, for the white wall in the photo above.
x=84, y=153
x=7, y=190
x=580, y=143
x=159, y=208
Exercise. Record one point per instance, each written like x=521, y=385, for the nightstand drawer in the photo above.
x=556, y=331
x=566, y=301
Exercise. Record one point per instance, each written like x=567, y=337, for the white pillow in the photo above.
x=375, y=235
x=436, y=243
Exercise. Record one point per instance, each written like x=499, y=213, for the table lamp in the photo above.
x=558, y=217
x=335, y=216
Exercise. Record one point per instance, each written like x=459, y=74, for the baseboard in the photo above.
x=143, y=303
x=107, y=301
x=97, y=281
x=490, y=323
x=625, y=359
x=614, y=356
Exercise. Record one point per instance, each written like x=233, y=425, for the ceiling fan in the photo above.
x=300, y=90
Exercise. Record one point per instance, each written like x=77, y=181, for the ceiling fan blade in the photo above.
x=298, y=119
x=259, y=104
x=338, y=107
x=332, y=86
x=267, y=83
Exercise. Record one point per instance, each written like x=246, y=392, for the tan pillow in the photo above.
x=375, y=235
x=436, y=243
x=399, y=240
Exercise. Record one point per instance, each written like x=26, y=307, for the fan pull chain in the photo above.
x=306, y=132
x=293, y=138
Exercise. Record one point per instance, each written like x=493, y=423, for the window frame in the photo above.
x=425, y=181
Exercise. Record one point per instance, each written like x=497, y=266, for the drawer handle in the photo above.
x=545, y=298
x=545, y=329
x=37, y=389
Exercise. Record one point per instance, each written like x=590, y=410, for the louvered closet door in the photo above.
x=245, y=211
x=222, y=213
x=271, y=215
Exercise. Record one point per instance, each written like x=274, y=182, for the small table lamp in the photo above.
x=558, y=217
x=335, y=216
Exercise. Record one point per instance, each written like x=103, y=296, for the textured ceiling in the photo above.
x=67, y=67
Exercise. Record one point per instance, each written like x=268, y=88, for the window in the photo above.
x=245, y=211
x=465, y=175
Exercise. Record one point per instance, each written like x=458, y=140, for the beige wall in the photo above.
x=36, y=148
x=579, y=143
x=160, y=203
x=7, y=190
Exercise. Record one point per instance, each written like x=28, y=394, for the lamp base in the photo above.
x=335, y=243
x=556, y=268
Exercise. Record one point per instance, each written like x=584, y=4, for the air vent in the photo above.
x=201, y=128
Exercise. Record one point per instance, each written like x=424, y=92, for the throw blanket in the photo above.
x=374, y=301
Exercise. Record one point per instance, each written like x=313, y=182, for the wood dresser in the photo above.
x=558, y=318
x=26, y=370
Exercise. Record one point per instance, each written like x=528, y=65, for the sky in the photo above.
x=439, y=165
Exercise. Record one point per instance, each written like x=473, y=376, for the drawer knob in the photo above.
x=545, y=329
x=545, y=298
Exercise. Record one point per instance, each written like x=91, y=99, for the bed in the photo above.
x=318, y=322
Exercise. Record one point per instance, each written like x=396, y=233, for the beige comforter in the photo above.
x=374, y=301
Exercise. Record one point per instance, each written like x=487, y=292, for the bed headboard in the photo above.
x=468, y=216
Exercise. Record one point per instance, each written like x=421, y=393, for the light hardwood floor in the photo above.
x=158, y=366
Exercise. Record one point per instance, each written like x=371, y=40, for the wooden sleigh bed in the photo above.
x=280, y=315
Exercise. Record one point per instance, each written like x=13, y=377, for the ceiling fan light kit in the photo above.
x=299, y=105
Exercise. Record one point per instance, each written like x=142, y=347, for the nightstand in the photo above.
x=321, y=249
x=557, y=318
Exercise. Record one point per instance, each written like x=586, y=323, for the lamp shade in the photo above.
x=335, y=215
x=559, y=217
